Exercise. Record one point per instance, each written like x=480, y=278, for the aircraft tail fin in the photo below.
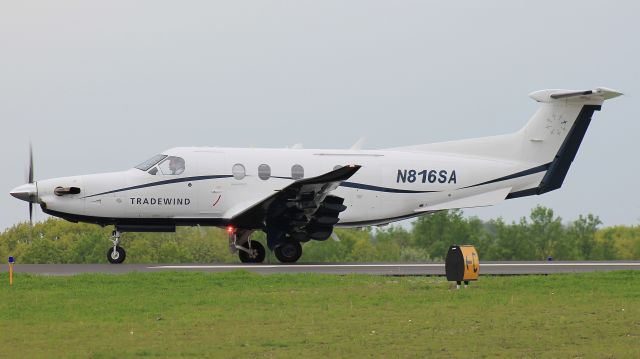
x=563, y=116
x=549, y=140
x=560, y=123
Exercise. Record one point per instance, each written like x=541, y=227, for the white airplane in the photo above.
x=295, y=195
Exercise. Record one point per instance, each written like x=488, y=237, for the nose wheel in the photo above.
x=116, y=254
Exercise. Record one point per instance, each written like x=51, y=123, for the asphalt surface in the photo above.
x=492, y=268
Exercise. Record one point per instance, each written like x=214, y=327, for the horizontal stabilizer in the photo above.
x=598, y=94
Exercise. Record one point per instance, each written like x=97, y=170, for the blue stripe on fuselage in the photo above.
x=161, y=183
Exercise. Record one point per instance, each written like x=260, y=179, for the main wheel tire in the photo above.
x=288, y=252
x=257, y=253
x=116, y=257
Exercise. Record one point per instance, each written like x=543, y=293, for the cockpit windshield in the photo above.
x=150, y=162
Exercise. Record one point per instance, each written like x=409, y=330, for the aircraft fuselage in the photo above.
x=391, y=185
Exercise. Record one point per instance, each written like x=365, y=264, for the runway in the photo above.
x=400, y=269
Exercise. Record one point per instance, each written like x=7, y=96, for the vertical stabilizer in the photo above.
x=540, y=140
x=560, y=122
x=548, y=142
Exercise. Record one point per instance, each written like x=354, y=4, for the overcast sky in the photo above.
x=102, y=85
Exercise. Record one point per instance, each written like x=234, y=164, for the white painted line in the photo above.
x=402, y=265
x=551, y=264
x=244, y=266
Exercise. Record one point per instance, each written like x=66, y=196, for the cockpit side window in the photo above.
x=144, y=166
x=172, y=165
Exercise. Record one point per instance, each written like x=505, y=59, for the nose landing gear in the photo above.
x=116, y=254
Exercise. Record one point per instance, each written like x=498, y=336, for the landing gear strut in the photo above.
x=116, y=254
x=249, y=251
x=254, y=254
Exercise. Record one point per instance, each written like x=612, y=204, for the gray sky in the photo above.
x=102, y=85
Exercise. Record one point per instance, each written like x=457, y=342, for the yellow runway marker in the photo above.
x=11, y=261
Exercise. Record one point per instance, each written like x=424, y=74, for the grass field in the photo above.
x=243, y=315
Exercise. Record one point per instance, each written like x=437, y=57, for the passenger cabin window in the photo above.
x=238, y=171
x=264, y=172
x=297, y=172
x=172, y=165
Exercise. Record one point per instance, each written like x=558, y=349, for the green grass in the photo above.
x=241, y=315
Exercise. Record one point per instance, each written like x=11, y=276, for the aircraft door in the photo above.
x=211, y=191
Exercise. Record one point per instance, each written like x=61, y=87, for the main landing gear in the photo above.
x=255, y=253
x=249, y=251
x=116, y=254
x=288, y=252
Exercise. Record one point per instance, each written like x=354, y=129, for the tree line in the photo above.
x=537, y=237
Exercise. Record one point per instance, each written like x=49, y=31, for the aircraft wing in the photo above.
x=303, y=205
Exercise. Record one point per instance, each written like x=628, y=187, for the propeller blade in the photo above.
x=30, y=179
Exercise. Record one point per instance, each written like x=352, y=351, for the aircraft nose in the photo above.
x=27, y=192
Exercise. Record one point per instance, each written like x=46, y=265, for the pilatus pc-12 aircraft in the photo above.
x=296, y=195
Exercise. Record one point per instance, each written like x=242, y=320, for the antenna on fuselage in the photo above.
x=358, y=145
